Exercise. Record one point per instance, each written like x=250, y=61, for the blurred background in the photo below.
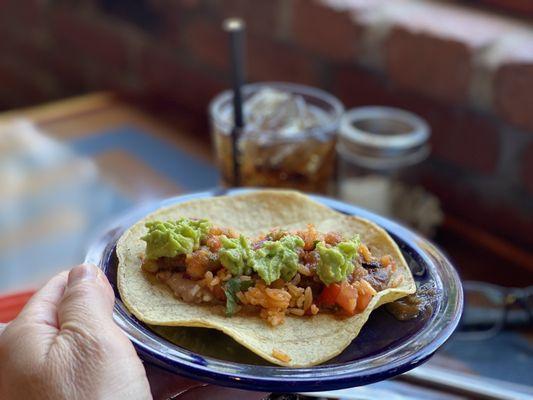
x=104, y=106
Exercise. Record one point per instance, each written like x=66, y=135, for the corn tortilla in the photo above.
x=308, y=340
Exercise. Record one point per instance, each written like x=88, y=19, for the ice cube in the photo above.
x=276, y=112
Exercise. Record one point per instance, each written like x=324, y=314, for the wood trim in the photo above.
x=66, y=108
x=492, y=243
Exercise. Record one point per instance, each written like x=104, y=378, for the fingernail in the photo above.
x=83, y=272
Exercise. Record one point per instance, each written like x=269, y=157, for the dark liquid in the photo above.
x=414, y=305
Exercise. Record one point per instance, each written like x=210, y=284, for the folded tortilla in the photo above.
x=308, y=340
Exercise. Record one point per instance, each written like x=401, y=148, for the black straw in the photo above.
x=235, y=28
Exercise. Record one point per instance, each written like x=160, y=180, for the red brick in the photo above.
x=527, y=169
x=320, y=28
x=437, y=67
x=517, y=6
x=189, y=4
x=29, y=15
x=207, y=42
x=173, y=15
x=432, y=47
x=261, y=16
x=176, y=10
x=513, y=93
x=101, y=41
x=356, y=86
x=472, y=27
x=272, y=60
x=72, y=70
x=168, y=78
x=266, y=58
x=487, y=210
x=30, y=85
x=42, y=70
x=465, y=139
x=42, y=57
x=455, y=133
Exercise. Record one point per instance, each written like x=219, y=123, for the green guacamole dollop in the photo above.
x=278, y=259
x=336, y=262
x=236, y=255
x=171, y=238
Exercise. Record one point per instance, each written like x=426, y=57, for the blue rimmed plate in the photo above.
x=385, y=347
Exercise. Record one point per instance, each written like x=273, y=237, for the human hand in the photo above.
x=65, y=345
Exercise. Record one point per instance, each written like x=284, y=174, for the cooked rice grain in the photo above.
x=274, y=317
x=242, y=298
x=365, y=252
x=223, y=275
x=303, y=270
x=296, y=311
x=281, y=356
x=296, y=280
x=386, y=260
x=267, y=298
x=308, y=298
x=294, y=290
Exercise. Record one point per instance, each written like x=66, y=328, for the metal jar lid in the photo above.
x=383, y=137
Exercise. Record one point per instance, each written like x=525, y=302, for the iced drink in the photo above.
x=288, y=139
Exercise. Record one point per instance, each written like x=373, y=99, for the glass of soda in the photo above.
x=288, y=140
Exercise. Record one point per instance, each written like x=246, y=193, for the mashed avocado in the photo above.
x=236, y=255
x=171, y=238
x=278, y=259
x=336, y=262
x=273, y=260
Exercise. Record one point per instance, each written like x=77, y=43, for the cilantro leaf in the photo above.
x=233, y=286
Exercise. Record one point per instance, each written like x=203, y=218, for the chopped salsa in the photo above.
x=300, y=273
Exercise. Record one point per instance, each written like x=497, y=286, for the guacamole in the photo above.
x=278, y=259
x=336, y=262
x=172, y=238
x=236, y=255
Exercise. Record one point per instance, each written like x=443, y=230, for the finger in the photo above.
x=87, y=301
x=2, y=328
x=36, y=326
x=41, y=309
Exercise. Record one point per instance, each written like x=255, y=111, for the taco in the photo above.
x=285, y=276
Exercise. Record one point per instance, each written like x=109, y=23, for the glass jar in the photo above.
x=300, y=159
x=377, y=147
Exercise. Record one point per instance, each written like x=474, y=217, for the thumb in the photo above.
x=87, y=303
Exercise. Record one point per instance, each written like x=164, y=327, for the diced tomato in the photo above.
x=347, y=298
x=329, y=295
x=362, y=301
x=333, y=238
x=214, y=243
x=309, y=236
x=386, y=260
x=365, y=294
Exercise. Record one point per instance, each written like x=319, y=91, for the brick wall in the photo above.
x=469, y=72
